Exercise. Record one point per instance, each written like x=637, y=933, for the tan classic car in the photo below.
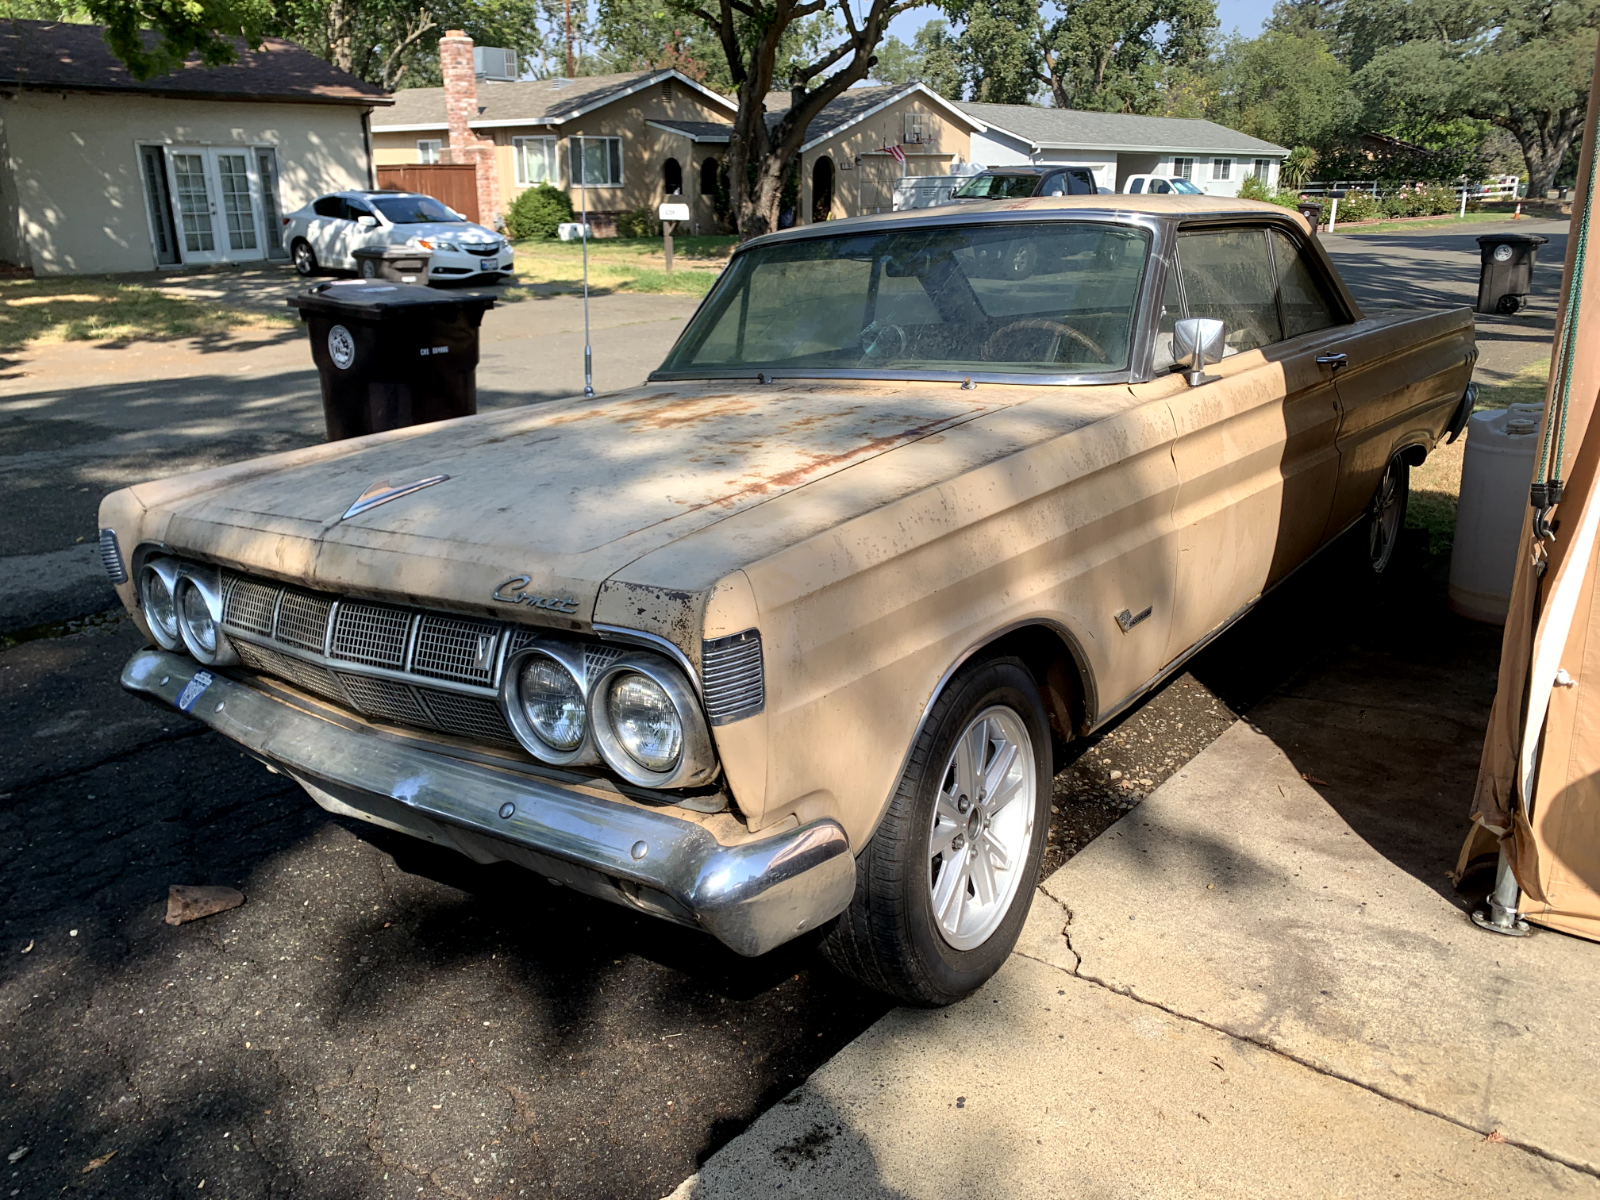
x=779, y=642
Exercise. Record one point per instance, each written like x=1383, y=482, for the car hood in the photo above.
x=449, y=231
x=559, y=496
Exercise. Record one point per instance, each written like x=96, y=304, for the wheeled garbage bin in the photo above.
x=1505, y=276
x=1311, y=210
x=398, y=264
x=392, y=354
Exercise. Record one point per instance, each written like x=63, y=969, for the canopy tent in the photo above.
x=1538, y=792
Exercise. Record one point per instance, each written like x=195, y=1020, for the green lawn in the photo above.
x=86, y=308
x=1441, y=222
x=547, y=266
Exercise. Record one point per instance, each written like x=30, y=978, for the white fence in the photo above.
x=1501, y=187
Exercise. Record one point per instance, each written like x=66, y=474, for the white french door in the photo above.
x=220, y=201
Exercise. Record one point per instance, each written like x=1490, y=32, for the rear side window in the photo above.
x=1227, y=274
x=1055, y=185
x=1306, y=306
x=328, y=206
x=1082, y=183
x=1136, y=187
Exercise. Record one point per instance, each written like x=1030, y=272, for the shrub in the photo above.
x=537, y=211
x=640, y=223
x=1253, y=189
x=1357, y=206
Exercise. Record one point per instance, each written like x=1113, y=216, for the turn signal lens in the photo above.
x=552, y=700
x=155, y=597
x=645, y=721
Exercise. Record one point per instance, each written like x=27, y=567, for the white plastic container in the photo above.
x=1495, y=475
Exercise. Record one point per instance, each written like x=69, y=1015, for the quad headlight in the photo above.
x=198, y=601
x=158, y=579
x=633, y=710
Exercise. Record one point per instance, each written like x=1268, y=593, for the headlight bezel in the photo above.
x=697, y=761
x=206, y=582
x=569, y=658
x=165, y=570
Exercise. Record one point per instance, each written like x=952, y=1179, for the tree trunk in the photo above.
x=1544, y=144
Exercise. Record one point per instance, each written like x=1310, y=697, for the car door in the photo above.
x=1053, y=185
x=324, y=228
x=355, y=235
x=1255, y=449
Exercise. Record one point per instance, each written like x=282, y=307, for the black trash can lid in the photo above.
x=374, y=296
x=1514, y=239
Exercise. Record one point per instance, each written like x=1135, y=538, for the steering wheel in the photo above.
x=879, y=343
x=997, y=339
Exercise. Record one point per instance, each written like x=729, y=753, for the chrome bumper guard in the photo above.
x=751, y=896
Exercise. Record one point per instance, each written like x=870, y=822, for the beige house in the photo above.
x=616, y=143
x=848, y=162
x=103, y=173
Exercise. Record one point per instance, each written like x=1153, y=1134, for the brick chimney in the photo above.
x=461, y=106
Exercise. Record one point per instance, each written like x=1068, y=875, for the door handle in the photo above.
x=1331, y=360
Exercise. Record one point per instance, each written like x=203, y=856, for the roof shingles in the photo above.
x=1071, y=128
x=533, y=101
x=58, y=56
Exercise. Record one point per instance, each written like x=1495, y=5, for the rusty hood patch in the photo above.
x=565, y=493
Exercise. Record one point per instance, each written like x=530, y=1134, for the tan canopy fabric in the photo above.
x=1539, y=782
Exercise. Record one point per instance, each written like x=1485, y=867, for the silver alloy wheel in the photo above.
x=304, y=260
x=369, y=269
x=1388, y=510
x=982, y=827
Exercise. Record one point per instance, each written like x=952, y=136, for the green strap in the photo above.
x=1561, y=386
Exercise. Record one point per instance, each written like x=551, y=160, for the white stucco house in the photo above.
x=100, y=172
x=1213, y=157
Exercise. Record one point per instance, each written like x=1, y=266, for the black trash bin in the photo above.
x=1505, y=276
x=392, y=354
x=398, y=264
x=1311, y=210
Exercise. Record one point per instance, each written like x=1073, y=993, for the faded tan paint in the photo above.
x=875, y=533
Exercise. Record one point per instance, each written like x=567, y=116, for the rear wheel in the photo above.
x=369, y=269
x=305, y=259
x=943, y=887
x=1386, y=516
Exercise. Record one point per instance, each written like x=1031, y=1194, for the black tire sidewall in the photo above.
x=306, y=265
x=1403, y=485
x=948, y=973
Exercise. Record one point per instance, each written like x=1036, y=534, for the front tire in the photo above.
x=304, y=257
x=943, y=887
x=1386, y=516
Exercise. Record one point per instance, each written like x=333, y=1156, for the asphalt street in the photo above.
x=381, y=1018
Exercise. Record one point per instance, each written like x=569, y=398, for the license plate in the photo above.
x=490, y=265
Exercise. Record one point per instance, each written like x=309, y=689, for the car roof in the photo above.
x=1175, y=206
x=1023, y=169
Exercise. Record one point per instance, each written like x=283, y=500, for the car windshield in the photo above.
x=1046, y=298
x=996, y=187
x=1186, y=188
x=414, y=210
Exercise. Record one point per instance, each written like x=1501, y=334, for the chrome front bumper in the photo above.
x=750, y=895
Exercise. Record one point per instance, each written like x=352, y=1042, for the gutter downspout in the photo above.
x=366, y=138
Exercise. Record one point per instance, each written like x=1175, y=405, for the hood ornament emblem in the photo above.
x=383, y=491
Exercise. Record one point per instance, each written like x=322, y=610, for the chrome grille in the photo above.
x=597, y=659
x=468, y=716
x=385, y=698
x=303, y=620
x=733, y=678
x=371, y=633
x=454, y=648
x=249, y=605
x=307, y=675
x=111, y=556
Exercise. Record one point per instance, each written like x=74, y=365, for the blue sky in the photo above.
x=1244, y=15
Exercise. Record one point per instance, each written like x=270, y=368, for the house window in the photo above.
x=1183, y=168
x=1221, y=168
x=1263, y=170
x=428, y=150
x=918, y=129
x=535, y=159
x=596, y=162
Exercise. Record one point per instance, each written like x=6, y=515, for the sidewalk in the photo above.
x=1258, y=983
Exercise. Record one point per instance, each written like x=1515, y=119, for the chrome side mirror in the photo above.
x=1196, y=343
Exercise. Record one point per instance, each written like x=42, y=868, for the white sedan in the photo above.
x=1159, y=185
x=326, y=233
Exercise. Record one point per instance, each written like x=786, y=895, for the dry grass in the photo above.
x=624, y=265
x=89, y=309
x=1436, y=484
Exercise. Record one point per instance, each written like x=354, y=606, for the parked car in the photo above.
x=327, y=232
x=1159, y=185
x=780, y=640
x=1012, y=183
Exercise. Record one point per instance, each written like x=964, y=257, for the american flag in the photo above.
x=895, y=153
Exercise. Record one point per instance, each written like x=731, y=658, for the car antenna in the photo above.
x=588, y=355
